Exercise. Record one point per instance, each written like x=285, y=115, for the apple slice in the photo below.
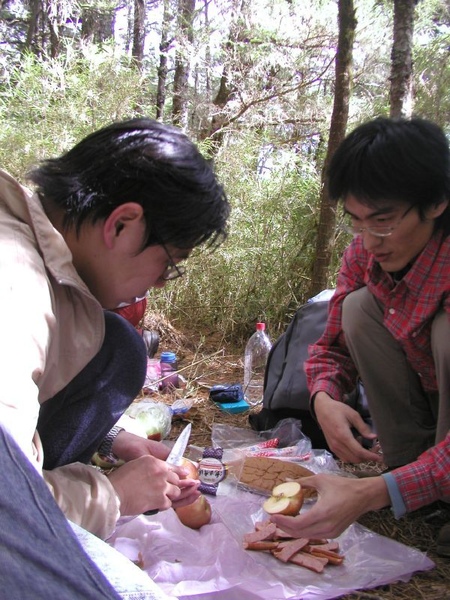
x=286, y=499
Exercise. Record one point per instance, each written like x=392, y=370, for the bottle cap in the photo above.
x=168, y=357
x=260, y=326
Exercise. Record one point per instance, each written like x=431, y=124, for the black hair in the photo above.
x=394, y=159
x=143, y=161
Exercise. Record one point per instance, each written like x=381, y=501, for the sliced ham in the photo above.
x=331, y=546
x=333, y=557
x=288, y=549
x=313, y=563
x=262, y=546
x=266, y=533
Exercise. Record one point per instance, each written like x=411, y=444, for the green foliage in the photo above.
x=432, y=62
x=280, y=70
x=261, y=271
x=48, y=105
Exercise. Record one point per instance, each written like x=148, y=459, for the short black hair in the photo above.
x=393, y=159
x=144, y=161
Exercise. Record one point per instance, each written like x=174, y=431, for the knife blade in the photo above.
x=176, y=454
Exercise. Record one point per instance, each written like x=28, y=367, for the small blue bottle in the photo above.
x=169, y=366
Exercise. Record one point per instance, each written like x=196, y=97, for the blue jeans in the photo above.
x=40, y=557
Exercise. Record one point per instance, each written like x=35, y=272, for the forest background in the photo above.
x=266, y=88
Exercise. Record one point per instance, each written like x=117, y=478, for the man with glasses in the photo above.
x=108, y=220
x=389, y=325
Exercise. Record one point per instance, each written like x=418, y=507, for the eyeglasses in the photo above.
x=376, y=230
x=172, y=271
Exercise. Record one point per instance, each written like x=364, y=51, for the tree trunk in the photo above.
x=35, y=11
x=138, y=33
x=182, y=67
x=220, y=120
x=401, y=91
x=97, y=24
x=56, y=12
x=327, y=217
x=162, y=69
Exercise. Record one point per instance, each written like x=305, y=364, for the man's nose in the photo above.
x=371, y=241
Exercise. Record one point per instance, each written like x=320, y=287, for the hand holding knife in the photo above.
x=176, y=454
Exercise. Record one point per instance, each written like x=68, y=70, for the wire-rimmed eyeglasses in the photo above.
x=172, y=271
x=376, y=230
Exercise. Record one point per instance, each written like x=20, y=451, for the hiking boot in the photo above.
x=443, y=541
x=151, y=340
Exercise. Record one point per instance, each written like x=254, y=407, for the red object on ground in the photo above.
x=133, y=312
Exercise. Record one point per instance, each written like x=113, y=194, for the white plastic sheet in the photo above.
x=211, y=564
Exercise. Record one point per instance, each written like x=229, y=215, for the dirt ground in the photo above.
x=210, y=366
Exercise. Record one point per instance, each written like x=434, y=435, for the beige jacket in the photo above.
x=50, y=328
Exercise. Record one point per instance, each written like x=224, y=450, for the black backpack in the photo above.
x=286, y=394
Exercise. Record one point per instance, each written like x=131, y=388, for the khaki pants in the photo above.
x=407, y=420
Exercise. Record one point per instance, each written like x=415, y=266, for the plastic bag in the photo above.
x=156, y=417
x=211, y=562
x=285, y=440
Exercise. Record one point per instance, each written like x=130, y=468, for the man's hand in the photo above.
x=337, y=420
x=188, y=488
x=129, y=446
x=148, y=483
x=341, y=501
x=167, y=486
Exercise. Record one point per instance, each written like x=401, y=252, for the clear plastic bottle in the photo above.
x=255, y=360
x=169, y=375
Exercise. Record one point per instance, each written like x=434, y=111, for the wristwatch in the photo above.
x=105, y=448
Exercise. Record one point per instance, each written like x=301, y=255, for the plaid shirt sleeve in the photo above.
x=427, y=479
x=329, y=367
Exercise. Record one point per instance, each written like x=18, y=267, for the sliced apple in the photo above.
x=286, y=499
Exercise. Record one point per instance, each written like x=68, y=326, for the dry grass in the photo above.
x=208, y=366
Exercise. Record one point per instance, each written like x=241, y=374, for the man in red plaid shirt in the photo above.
x=389, y=324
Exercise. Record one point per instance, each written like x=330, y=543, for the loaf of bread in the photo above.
x=261, y=474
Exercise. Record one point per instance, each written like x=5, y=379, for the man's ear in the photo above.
x=435, y=211
x=125, y=219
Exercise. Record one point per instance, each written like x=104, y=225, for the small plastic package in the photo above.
x=229, y=398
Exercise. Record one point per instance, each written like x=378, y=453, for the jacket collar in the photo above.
x=27, y=206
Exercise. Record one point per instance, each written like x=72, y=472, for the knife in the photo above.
x=176, y=454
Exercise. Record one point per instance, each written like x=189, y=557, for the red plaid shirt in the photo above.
x=427, y=479
x=409, y=308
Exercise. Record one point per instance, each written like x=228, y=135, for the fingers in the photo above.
x=188, y=483
x=362, y=427
x=337, y=430
x=182, y=472
x=143, y=484
x=301, y=527
x=308, y=482
x=353, y=452
x=187, y=496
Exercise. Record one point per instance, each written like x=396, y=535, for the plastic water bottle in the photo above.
x=255, y=360
x=169, y=375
